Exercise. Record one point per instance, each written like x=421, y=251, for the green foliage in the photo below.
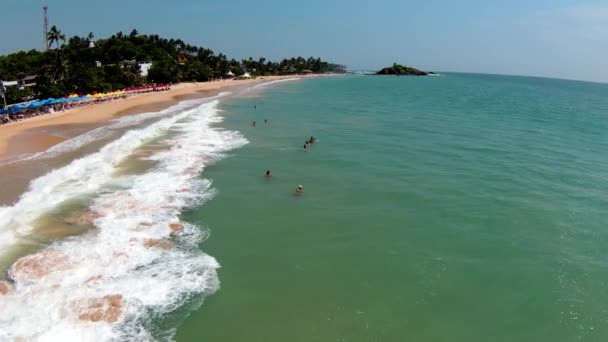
x=46, y=88
x=14, y=94
x=73, y=66
x=162, y=72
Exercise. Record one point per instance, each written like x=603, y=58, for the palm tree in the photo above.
x=60, y=69
x=55, y=35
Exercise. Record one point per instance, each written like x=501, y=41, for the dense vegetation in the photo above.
x=398, y=70
x=74, y=66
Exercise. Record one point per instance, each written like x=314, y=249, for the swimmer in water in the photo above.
x=265, y=121
x=306, y=145
x=299, y=190
x=253, y=124
x=268, y=174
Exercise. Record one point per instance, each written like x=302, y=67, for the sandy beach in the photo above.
x=29, y=136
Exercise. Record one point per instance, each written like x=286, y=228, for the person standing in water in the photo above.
x=305, y=146
x=268, y=174
x=299, y=190
x=253, y=124
x=265, y=121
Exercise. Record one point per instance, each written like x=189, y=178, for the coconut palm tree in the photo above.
x=60, y=68
x=54, y=36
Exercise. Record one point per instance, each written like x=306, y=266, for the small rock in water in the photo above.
x=107, y=309
x=5, y=288
x=160, y=243
x=176, y=228
x=39, y=265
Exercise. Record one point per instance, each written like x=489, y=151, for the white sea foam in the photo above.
x=113, y=259
x=262, y=85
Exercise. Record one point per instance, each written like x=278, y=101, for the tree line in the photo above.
x=84, y=65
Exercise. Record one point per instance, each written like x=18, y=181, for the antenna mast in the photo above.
x=46, y=27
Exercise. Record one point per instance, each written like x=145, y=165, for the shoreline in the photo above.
x=32, y=135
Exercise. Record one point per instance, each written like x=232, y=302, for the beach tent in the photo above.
x=245, y=75
x=229, y=74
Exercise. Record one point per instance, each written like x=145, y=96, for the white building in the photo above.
x=144, y=67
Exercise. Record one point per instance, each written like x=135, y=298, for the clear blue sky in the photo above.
x=555, y=38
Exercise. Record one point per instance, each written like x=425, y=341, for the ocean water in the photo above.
x=454, y=208
x=457, y=208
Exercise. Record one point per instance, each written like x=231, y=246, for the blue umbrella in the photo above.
x=35, y=104
x=16, y=108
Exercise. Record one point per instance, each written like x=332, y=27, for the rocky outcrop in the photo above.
x=160, y=243
x=400, y=70
x=107, y=309
x=37, y=266
x=176, y=228
x=5, y=288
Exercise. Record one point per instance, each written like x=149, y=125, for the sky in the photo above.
x=550, y=38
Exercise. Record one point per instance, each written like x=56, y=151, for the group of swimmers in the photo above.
x=253, y=123
x=299, y=189
x=310, y=141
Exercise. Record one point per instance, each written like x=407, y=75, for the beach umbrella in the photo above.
x=33, y=105
x=16, y=108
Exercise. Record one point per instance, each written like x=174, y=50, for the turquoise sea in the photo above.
x=456, y=208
